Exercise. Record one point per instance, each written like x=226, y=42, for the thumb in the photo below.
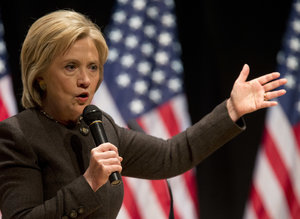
x=244, y=74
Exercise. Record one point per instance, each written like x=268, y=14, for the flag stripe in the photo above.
x=181, y=196
x=282, y=174
x=129, y=202
x=168, y=117
x=161, y=190
x=269, y=188
x=3, y=112
x=144, y=187
x=190, y=181
x=258, y=205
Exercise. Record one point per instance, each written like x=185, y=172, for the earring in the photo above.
x=42, y=85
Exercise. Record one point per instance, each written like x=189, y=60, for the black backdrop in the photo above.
x=217, y=38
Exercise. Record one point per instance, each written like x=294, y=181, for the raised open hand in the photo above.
x=249, y=96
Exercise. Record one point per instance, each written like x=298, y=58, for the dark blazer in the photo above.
x=42, y=162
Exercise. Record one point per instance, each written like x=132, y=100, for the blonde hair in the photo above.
x=48, y=37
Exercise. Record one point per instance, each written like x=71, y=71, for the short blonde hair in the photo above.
x=48, y=37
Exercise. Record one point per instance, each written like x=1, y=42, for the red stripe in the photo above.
x=282, y=174
x=162, y=193
x=296, y=129
x=168, y=117
x=3, y=111
x=175, y=211
x=190, y=182
x=130, y=202
x=258, y=205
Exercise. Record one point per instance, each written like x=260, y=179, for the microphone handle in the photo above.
x=99, y=135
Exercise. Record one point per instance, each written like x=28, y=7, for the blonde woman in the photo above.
x=50, y=166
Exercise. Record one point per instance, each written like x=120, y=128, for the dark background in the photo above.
x=217, y=38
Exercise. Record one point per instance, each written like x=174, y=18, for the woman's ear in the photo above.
x=42, y=84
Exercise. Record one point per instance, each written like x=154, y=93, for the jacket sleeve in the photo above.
x=153, y=158
x=21, y=187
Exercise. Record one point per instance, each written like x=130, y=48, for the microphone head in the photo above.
x=91, y=113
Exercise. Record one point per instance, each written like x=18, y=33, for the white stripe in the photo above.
x=183, y=202
x=147, y=202
x=105, y=102
x=269, y=189
x=283, y=135
x=123, y=214
x=180, y=109
x=249, y=212
x=7, y=94
x=154, y=124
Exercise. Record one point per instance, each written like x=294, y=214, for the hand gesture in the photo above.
x=249, y=96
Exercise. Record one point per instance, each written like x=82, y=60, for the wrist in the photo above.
x=232, y=111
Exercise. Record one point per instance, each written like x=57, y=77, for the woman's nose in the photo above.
x=83, y=79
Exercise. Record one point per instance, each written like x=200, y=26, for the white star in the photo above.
x=296, y=26
x=291, y=82
x=297, y=106
x=176, y=65
x=127, y=60
x=119, y=16
x=155, y=95
x=169, y=3
x=295, y=44
x=147, y=49
x=168, y=20
x=150, y=30
x=136, y=106
x=174, y=84
x=158, y=76
x=297, y=7
x=115, y=35
x=144, y=68
x=2, y=67
x=280, y=57
x=2, y=47
x=123, y=1
x=135, y=22
x=164, y=38
x=140, y=87
x=131, y=41
x=292, y=62
x=113, y=54
x=123, y=80
x=161, y=57
x=152, y=12
x=139, y=4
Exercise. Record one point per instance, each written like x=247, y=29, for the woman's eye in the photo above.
x=70, y=67
x=94, y=67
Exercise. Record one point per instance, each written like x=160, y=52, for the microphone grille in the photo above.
x=91, y=113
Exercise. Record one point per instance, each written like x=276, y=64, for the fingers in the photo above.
x=274, y=94
x=244, y=74
x=107, y=153
x=274, y=84
x=268, y=77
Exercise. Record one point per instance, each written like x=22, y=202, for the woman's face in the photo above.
x=71, y=81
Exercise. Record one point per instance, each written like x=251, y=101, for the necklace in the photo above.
x=84, y=129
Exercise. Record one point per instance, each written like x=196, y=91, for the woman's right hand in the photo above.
x=104, y=160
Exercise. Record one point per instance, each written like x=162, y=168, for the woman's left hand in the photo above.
x=249, y=96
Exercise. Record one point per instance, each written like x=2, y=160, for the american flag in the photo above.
x=143, y=83
x=7, y=98
x=275, y=191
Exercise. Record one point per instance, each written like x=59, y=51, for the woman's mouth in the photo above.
x=83, y=97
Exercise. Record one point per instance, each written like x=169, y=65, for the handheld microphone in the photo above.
x=92, y=116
